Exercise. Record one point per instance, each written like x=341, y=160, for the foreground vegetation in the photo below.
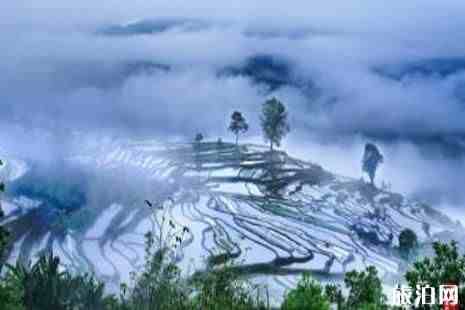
x=47, y=285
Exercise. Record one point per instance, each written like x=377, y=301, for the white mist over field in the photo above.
x=100, y=101
x=390, y=73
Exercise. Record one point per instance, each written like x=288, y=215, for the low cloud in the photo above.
x=61, y=73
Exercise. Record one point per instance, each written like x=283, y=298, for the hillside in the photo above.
x=276, y=215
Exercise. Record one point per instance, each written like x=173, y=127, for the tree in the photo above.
x=223, y=288
x=198, y=138
x=446, y=267
x=3, y=232
x=408, y=242
x=197, y=150
x=238, y=125
x=372, y=158
x=335, y=296
x=365, y=290
x=307, y=295
x=274, y=122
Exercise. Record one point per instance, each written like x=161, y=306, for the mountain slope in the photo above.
x=277, y=215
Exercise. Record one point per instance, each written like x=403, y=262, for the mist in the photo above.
x=137, y=70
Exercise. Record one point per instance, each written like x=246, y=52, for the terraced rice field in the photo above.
x=277, y=216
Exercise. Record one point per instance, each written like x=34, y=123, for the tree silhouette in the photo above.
x=3, y=232
x=238, y=125
x=197, y=150
x=408, y=242
x=308, y=294
x=365, y=290
x=198, y=138
x=274, y=122
x=372, y=158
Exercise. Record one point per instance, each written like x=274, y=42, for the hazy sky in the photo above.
x=391, y=72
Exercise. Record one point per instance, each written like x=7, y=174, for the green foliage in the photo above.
x=11, y=295
x=238, y=124
x=223, y=288
x=159, y=286
x=365, y=290
x=307, y=295
x=43, y=286
x=446, y=267
x=372, y=158
x=408, y=243
x=372, y=307
x=335, y=296
x=274, y=122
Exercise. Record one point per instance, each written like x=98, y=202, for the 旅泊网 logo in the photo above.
x=446, y=295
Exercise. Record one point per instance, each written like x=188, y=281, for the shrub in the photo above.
x=365, y=290
x=223, y=288
x=43, y=286
x=446, y=267
x=307, y=295
x=408, y=243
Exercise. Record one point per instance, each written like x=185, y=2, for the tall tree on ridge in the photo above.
x=238, y=125
x=274, y=122
x=372, y=158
